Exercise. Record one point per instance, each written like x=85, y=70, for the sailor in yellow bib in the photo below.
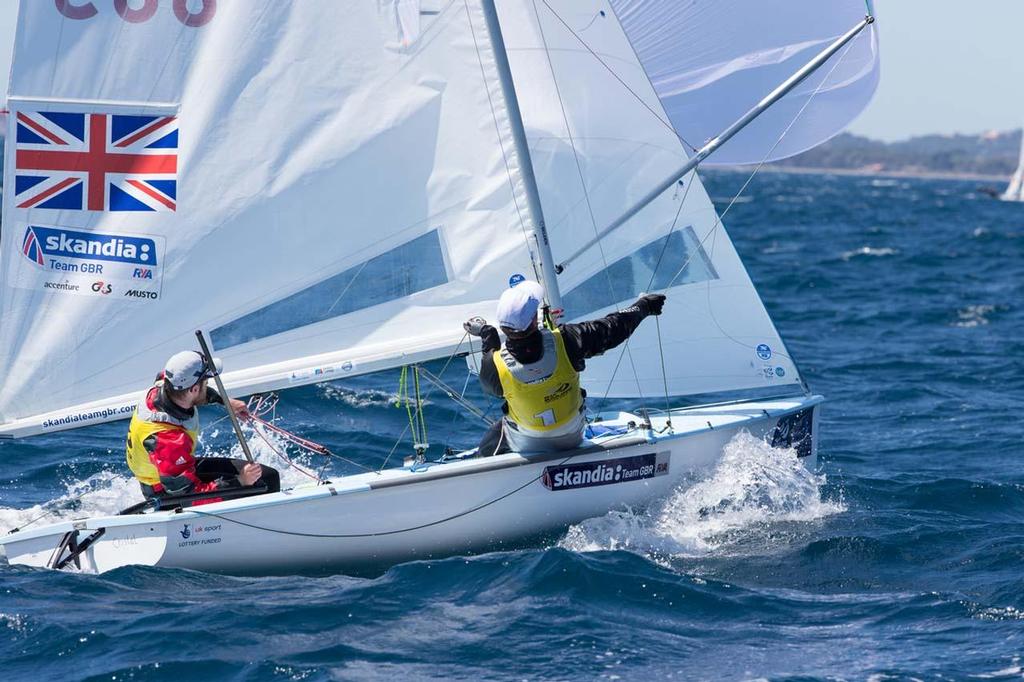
x=162, y=436
x=537, y=370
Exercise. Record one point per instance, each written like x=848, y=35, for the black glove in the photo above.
x=653, y=303
x=474, y=326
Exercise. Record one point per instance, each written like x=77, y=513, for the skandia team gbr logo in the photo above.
x=42, y=242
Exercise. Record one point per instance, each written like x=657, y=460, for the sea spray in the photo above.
x=108, y=492
x=753, y=487
x=105, y=492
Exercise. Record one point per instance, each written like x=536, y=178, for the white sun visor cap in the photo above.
x=187, y=368
x=517, y=307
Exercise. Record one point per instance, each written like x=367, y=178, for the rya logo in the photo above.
x=142, y=273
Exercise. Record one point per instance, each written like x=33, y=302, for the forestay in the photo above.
x=599, y=143
x=712, y=61
x=328, y=187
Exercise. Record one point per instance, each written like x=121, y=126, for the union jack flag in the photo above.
x=96, y=162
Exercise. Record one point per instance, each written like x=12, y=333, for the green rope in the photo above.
x=417, y=421
x=419, y=408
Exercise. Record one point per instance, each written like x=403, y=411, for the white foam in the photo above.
x=973, y=316
x=868, y=251
x=359, y=398
x=101, y=494
x=108, y=492
x=753, y=488
x=1014, y=670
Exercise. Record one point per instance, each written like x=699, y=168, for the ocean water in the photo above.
x=900, y=558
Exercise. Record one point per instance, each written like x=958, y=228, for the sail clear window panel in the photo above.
x=682, y=261
x=414, y=266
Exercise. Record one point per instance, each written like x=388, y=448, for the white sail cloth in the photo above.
x=329, y=191
x=1015, y=190
x=710, y=62
x=597, y=148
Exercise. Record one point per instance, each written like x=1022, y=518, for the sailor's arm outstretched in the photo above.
x=537, y=369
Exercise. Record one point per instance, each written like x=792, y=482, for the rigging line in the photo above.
x=285, y=457
x=427, y=397
x=582, y=42
x=309, y=445
x=387, y=532
x=403, y=397
x=664, y=375
x=419, y=406
x=450, y=392
x=583, y=182
x=682, y=202
x=497, y=129
x=764, y=160
x=718, y=218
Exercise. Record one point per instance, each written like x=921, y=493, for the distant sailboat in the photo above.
x=1015, y=190
x=364, y=177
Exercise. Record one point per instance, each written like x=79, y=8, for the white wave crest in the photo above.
x=108, y=492
x=753, y=487
x=973, y=316
x=868, y=251
x=359, y=398
x=101, y=494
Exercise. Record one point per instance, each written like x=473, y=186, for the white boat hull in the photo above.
x=367, y=522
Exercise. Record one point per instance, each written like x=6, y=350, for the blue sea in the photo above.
x=900, y=558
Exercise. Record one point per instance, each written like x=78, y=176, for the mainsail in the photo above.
x=332, y=188
x=325, y=191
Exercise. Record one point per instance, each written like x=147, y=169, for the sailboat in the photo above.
x=330, y=189
x=1015, y=190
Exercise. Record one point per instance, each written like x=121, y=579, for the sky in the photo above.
x=948, y=66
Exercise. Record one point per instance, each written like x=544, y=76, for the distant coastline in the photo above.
x=989, y=157
x=998, y=180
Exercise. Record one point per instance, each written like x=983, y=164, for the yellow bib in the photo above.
x=145, y=423
x=545, y=395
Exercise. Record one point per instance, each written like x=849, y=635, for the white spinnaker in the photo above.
x=710, y=62
x=715, y=333
x=316, y=139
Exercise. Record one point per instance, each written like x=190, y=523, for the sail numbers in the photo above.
x=74, y=9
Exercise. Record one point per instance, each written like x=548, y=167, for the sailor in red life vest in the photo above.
x=537, y=370
x=164, y=430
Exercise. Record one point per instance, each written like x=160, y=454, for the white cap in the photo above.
x=187, y=368
x=517, y=307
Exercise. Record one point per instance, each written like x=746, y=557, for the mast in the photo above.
x=539, y=233
x=773, y=97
